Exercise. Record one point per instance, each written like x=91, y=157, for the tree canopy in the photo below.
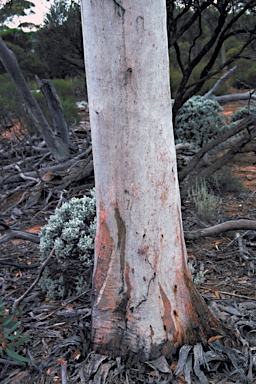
x=12, y=8
x=59, y=42
x=205, y=38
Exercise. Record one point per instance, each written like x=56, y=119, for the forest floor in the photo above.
x=60, y=330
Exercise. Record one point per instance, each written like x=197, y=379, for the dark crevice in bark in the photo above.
x=119, y=8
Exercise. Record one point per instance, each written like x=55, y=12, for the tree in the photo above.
x=22, y=45
x=12, y=8
x=20, y=42
x=144, y=300
x=59, y=43
x=204, y=27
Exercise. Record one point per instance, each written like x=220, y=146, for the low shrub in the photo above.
x=71, y=232
x=226, y=181
x=11, y=334
x=243, y=112
x=198, y=121
x=206, y=203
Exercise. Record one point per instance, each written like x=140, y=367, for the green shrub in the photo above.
x=80, y=89
x=206, y=203
x=71, y=232
x=11, y=108
x=64, y=88
x=9, y=99
x=198, y=121
x=245, y=74
x=11, y=334
x=225, y=181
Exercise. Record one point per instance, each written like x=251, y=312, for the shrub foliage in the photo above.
x=243, y=112
x=11, y=334
x=71, y=232
x=198, y=121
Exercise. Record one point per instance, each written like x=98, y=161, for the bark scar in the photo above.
x=121, y=239
x=119, y=8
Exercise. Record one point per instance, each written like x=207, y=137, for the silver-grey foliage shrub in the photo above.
x=243, y=112
x=71, y=232
x=198, y=121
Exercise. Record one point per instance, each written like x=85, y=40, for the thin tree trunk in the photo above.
x=143, y=297
x=59, y=149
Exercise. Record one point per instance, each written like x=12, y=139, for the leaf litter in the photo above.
x=60, y=331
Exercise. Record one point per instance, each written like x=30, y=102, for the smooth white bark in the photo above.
x=141, y=276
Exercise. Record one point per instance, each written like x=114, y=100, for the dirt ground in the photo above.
x=60, y=331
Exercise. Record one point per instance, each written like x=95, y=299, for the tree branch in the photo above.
x=231, y=225
x=242, y=124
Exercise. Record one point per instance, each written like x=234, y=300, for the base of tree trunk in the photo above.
x=202, y=326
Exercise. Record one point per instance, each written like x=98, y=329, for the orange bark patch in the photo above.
x=103, y=249
x=164, y=195
x=167, y=318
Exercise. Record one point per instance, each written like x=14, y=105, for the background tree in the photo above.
x=20, y=42
x=59, y=42
x=22, y=45
x=12, y=8
x=143, y=296
x=197, y=32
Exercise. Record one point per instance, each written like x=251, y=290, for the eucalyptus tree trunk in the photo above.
x=144, y=300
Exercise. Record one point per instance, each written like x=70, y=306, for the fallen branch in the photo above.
x=17, y=301
x=234, y=97
x=210, y=93
x=242, y=124
x=205, y=173
x=20, y=266
x=231, y=225
x=60, y=167
x=18, y=234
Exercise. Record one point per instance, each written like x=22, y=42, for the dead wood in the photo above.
x=19, y=266
x=18, y=234
x=228, y=98
x=204, y=172
x=59, y=149
x=55, y=108
x=17, y=174
x=231, y=225
x=43, y=265
x=221, y=139
x=8, y=233
x=234, y=97
x=210, y=93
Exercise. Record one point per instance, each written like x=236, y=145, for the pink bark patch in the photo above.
x=167, y=318
x=103, y=250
